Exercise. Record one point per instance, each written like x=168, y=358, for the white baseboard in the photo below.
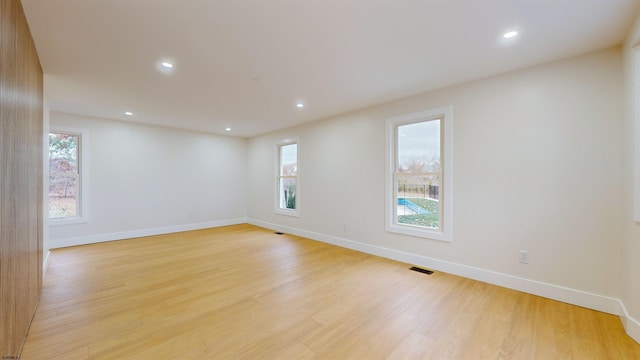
x=571, y=296
x=45, y=264
x=92, y=239
x=631, y=325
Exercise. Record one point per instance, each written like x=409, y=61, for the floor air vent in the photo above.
x=424, y=271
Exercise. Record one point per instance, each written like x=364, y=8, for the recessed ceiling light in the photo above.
x=510, y=34
x=300, y=105
x=227, y=129
x=128, y=113
x=165, y=66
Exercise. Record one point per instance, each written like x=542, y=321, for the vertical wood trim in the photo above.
x=21, y=192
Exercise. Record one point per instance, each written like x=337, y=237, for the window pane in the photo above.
x=63, y=153
x=418, y=200
x=64, y=175
x=419, y=147
x=63, y=195
x=288, y=178
x=289, y=160
x=287, y=193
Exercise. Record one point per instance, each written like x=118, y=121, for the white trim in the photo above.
x=45, y=264
x=45, y=187
x=289, y=212
x=572, y=296
x=446, y=231
x=635, y=66
x=631, y=325
x=83, y=174
x=98, y=238
x=72, y=220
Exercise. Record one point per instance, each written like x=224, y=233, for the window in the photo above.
x=288, y=185
x=419, y=174
x=67, y=167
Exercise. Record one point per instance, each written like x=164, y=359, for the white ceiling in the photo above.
x=245, y=64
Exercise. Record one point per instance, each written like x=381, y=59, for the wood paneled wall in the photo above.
x=20, y=178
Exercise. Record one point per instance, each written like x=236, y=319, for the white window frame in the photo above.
x=445, y=231
x=278, y=210
x=82, y=215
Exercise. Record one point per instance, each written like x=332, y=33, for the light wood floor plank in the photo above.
x=243, y=292
x=492, y=326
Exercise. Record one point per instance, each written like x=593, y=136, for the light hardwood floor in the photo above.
x=242, y=292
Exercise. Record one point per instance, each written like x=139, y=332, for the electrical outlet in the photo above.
x=523, y=256
x=345, y=227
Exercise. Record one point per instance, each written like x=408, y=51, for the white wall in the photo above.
x=537, y=166
x=45, y=181
x=631, y=229
x=147, y=179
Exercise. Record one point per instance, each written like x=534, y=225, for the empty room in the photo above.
x=309, y=179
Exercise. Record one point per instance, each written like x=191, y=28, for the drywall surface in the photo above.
x=631, y=190
x=536, y=167
x=144, y=177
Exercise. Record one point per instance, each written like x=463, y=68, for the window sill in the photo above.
x=292, y=213
x=419, y=232
x=67, y=221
